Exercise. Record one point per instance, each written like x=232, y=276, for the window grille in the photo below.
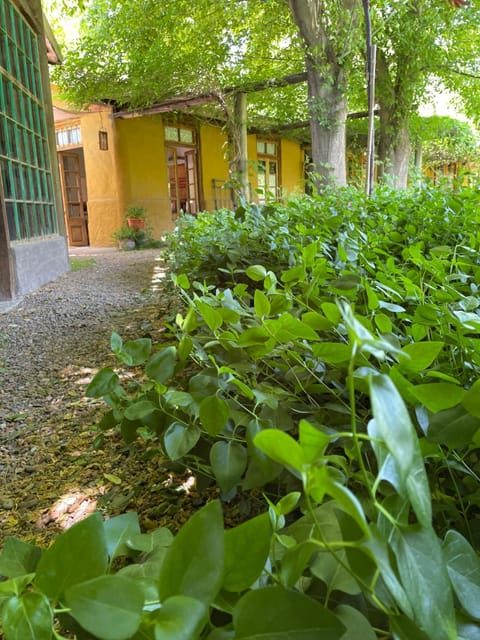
x=68, y=137
x=24, y=154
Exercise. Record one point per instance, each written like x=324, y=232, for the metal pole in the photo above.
x=370, y=74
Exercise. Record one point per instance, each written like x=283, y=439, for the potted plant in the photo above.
x=125, y=236
x=135, y=217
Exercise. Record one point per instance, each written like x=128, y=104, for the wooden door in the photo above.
x=192, y=190
x=182, y=180
x=73, y=200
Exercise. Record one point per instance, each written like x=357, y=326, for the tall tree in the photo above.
x=412, y=38
x=328, y=32
x=141, y=52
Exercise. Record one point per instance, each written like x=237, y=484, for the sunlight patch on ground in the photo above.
x=71, y=508
x=159, y=274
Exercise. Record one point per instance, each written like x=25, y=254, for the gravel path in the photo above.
x=50, y=346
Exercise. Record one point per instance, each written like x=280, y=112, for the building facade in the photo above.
x=33, y=247
x=167, y=163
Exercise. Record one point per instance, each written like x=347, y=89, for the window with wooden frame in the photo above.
x=267, y=170
x=182, y=169
x=68, y=136
x=24, y=151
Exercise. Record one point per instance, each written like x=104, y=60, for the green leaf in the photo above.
x=256, y=272
x=194, y=562
x=261, y=304
x=109, y=607
x=135, y=352
x=426, y=314
x=294, y=561
x=420, y=355
x=116, y=342
x=281, y=447
x=358, y=627
x=320, y=483
x=312, y=441
x=15, y=586
x=18, y=558
x=229, y=461
x=381, y=555
x=103, y=383
x=118, y=530
x=372, y=298
x=424, y=577
x=213, y=414
x=27, y=617
x=439, y=396
x=288, y=503
x=128, y=429
x=471, y=400
x=332, y=569
x=246, y=551
x=453, y=427
x=181, y=281
x=253, y=336
x=140, y=410
x=65, y=562
x=179, y=439
x=332, y=352
x=213, y=318
x=287, y=328
x=295, y=274
x=331, y=311
x=148, y=542
x=395, y=428
x=405, y=629
x=180, y=618
x=468, y=630
x=274, y=613
x=463, y=566
x=317, y=321
x=161, y=365
x=347, y=281
x=383, y=322
x=112, y=478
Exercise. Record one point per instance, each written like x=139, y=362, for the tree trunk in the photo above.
x=328, y=115
x=240, y=126
x=394, y=147
x=326, y=94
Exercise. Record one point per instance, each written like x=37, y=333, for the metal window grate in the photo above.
x=24, y=154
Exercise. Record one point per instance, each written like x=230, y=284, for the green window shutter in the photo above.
x=24, y=156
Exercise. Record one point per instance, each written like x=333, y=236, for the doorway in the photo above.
x=182, y=180
x=267, y=171
x=74, y=193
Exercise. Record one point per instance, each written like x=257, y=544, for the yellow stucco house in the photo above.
x=166, y=164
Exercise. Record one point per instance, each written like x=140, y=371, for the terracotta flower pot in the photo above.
x=136, y=223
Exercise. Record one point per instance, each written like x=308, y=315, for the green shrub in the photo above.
x=336, y=365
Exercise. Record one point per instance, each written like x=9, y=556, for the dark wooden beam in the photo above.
x=186, y=102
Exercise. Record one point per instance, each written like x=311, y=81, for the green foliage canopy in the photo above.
x=138, y=53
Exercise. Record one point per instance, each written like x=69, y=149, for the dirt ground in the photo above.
x=51, y=345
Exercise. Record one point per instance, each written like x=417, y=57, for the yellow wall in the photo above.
x=104, y=184
x=144, y=169
x=213, y=166
x=291, y=167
